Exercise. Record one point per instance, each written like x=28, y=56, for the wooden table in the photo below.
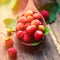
x=46, y=51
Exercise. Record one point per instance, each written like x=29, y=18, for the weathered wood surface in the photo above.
x=56, y=28
x=45, y=51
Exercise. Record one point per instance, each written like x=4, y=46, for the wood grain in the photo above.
x=56, y=28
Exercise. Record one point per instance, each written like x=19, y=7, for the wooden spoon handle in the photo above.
x=31, y=6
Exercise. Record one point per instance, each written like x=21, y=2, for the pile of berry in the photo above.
x=29, y=27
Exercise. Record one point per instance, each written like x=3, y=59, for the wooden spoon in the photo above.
x=31, y=6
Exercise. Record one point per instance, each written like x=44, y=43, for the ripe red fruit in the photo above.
x=22, y=19
x=36, y=22
x=28, y=13
x=12, y=52
x=38, y=35
x=29, y=19
x=45, y=14
x=31, y=29
x=37, y=16
x=9, y=42
x=27, y=38
x=20, y=26
x=19, y=34
x=27, y=24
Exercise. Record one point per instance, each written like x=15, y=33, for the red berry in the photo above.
x=45, y=14
x=29, y=19
x=37, y=16
x=24, y=32
x=19, y=34
x=9, y=42
x=12, y=52
x=27, y=38
x=36, y=22
x=38, y=35
x=28, y=13
x=22, y=20
x=31, y=29
x=27, y=24
x=20, y=26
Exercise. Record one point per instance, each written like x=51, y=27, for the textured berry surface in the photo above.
x=27, y=24
x=29, y=19
x=9, y=42
x=37, y=16
x=38, y=35
x=36, y=22
x=19, y=34
x=31, y=29
x=28, y=13
x=26, y=38
x=22, y=20
x=12, y=52
x=19, y=26
x=41, y=27
x=45, y=14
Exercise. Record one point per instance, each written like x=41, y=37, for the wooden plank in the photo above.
x=56, y=28
x=55, y=32
x=45, y=51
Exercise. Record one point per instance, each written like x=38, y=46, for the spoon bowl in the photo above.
x=31, y=6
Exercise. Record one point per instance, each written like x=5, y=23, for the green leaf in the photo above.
x=59, y=7
x=35, y=43
x=3, y=2
x=53, y=14
x=10, y=23
x=59, y=10
x=13, y=4
x=47, y=30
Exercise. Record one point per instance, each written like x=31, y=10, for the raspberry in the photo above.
x=31, y=29
x=41, y=27
x=8, y=42
x=12, y=52
x=36, y=22
x=26, y=38
x=37, y=16
x=19, y=34
x=28, y=13
x=38, y=35
x=45, y=14
x=29, y=19
x=20, y=26
x=22, y=19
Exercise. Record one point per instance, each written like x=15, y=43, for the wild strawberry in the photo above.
x=19, y=34
x=31, y=29
x=9, y=42
x=37, y=16
x=22, y=19
x=12, y=52
x=38, y=35
x=29, y=19
x=41, y=27
x=27, y=24
x=45, y=14
x=28, y=13
x=27, y=38
x=20, y=26
x=36, y=22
